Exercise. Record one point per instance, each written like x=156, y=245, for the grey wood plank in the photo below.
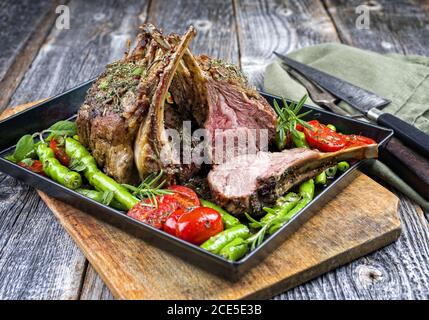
x=283, y=26
x=23, y=27
x=400, y=26
x=398, y=271
x=99, y=31
x=213, y=19
x=38, y=259
x=94, y=288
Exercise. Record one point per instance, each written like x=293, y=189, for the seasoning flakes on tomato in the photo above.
x=354, y=140
x=199, y=225
x=323, y=138
x=186, y=197
x=154, y=214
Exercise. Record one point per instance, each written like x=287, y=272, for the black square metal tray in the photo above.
x=66, y=105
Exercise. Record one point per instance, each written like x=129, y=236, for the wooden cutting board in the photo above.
x=361, y=219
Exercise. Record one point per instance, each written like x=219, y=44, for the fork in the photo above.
x=320, y=95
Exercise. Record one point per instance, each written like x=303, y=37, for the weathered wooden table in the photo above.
x=38, y=260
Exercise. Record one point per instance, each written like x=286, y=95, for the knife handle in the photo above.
x=407, y=133
x=409, y=165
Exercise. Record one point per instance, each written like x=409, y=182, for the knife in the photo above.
x=366, y=102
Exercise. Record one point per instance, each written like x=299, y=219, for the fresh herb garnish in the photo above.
x=288, y=118
x=107, y=197
x=25, y=148
x=256, y=239
x=77, y=165
x=60, y=129
x=150, y=188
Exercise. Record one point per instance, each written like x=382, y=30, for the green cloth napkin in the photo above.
x=402, y=79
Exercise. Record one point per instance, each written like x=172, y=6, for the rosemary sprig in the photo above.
x=288, y=117
x=150, y=188
x=256, y=239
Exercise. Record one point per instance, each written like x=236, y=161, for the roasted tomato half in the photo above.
x=353, y=140
x=59, y=152
x=323, y=138
x=186, y=197
x=199, y=225
x=154, y=214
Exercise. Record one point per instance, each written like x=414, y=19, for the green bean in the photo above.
x=55, y=170
x=331, y=172
x=332, y=127
x=95, y=177
x=235, y=249
x=217, y=242
x=98, y=196
x=343, y=166
x=300, y=140
x=228, y=220
x=320, y=178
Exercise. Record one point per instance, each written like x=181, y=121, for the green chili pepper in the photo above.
x=235, y=249
x=283, y=205
x=55, y=170
x=332, y=127
x=321, y=178
x=306, y=190
x=299, y=139
x=83, y=159
x=217, y=242
x=228, y=220
x=343, y=166
x=99, y=196
x=331, y=172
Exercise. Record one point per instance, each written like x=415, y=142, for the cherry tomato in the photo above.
x=33, y=165
x=323, y=138
x=199, y=225
x=169, y=225
x=59, y=152
x=186, y=197
x=154, y=215
x=353, y=140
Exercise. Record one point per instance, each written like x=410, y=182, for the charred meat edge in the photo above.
x=268, y=190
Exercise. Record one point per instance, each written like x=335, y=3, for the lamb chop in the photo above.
x=217, y=95
x=122, y=119
x=247, y=183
